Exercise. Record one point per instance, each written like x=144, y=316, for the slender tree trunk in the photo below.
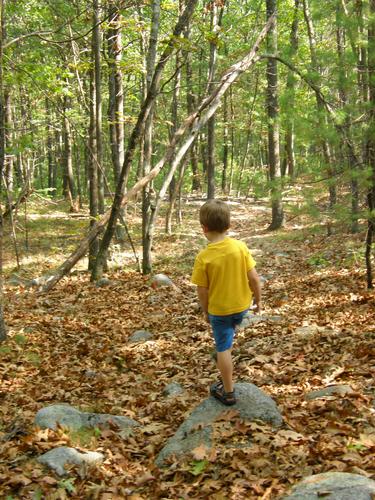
x=8, y=140
x=96, y=48
x=273, y=124
x=93, y=171
x=370, y=146
x=289, y=134
x=224, y=177
x=116, y=91
x=211, y=123
x=174, y=187
x=70, y=190
x=3, y=332
x=147, y=194
x=190, y=104
x=50, y=155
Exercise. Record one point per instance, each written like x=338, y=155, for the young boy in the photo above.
x=225, y=275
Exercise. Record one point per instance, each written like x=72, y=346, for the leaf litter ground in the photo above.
x=71, y=346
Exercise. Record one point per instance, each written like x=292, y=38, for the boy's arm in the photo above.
x=203, y=299
x=255, y=286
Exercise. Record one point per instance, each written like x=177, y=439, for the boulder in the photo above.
x=333, y=486
x=57, y=458
x=331, y=390
x=252, y=404
x=140, y=336
x=70, y=417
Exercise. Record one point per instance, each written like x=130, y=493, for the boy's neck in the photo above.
x=214, y=237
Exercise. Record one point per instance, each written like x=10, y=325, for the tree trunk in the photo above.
x=96, y=49
x=116, y=91
x=370, y=146
x=290, y=84
x=50, y=155
x=224, y=177
x=215, y=24
x=3, y=333
x=273, y=124
x=190, y=104
x=147, y=192
x=70, y=190
x=93, y=172
x=173, y=188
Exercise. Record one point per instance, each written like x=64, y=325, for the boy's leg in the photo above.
x=223, y=331
x=225, y=366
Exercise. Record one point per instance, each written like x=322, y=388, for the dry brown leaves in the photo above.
x=71, y=346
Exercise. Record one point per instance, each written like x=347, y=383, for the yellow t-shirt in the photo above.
x=222, y=268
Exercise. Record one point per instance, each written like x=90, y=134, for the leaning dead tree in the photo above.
x=184, y=137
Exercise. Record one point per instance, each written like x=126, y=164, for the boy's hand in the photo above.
x=257, y=308
x=206, y=317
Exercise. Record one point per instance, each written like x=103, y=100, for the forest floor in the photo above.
x=312, y=281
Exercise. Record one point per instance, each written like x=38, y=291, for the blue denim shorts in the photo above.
x=223, y=328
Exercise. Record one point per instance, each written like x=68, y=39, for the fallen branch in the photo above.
x=192, y=124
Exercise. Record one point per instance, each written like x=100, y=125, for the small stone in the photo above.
x=333, y=486
x=140, y=336
x=172, y=389
x=331, y=390
x=57, y=458
x=103, y=282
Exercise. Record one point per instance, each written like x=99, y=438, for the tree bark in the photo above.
x=174, y=187
x=215, y=24
x=147, y=192
x=69, y=185
x=290, y=84
x=93, y=172
x=116, y=91
x=370, y=146
x=3, y=332
x=96, y=48
x=190, y=104
x=273, y=124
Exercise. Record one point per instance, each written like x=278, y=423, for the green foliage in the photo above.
x=67, y=485
x=198, y=467
x=20, y=340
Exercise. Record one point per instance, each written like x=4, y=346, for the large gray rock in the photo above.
x=57, y=458
x=68, y=416
x=333, y=486
x=252, y=404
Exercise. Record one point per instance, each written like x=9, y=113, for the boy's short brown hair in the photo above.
x=215, y=215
